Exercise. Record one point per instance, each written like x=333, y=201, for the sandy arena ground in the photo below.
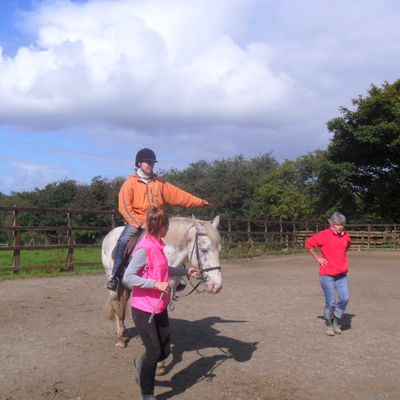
x=262, y=337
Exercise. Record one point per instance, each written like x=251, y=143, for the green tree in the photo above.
x=281, y=196
x=326, y=186
x=365, y=149
x=228, y=184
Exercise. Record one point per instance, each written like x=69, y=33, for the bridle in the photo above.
x=200, y=266
x=203, y=277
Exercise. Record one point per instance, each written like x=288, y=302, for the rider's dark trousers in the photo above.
x=122, y=242
x=156, y=339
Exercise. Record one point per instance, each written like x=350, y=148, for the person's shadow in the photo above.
x=195, y=336
x=345, y=322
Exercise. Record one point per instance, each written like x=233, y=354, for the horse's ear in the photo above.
x=215, y=222
x=193, y=218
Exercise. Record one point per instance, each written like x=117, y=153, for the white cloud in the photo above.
x=104, y=61
x=22, y=175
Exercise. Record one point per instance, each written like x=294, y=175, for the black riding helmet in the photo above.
x=145, y=155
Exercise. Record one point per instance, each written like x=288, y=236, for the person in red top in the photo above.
x=333, y=268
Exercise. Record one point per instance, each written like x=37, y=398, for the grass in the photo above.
x=54, y=260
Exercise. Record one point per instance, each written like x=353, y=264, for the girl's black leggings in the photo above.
x=156, y=339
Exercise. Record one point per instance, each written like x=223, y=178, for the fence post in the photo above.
x=229, y=236
x=280, y=235
x=369, y=236
x=113, y=219
x=249, y=239
x=395, y=236
x=265, y=237
x=70, y=251
x=294, y=239
x=16, y=240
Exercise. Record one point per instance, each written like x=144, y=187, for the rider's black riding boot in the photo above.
x=112, y=283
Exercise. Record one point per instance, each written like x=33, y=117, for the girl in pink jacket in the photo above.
x=148, y=275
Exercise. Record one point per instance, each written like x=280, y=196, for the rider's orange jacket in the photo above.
x=137, y=197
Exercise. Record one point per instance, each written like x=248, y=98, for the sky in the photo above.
x=85, y=84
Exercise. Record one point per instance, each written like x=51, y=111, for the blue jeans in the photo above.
x=332, y=286
x=126, y=235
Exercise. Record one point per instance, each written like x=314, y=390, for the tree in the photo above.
x=366, y=144
x=326, y=186
x=281, y=196
x=228, y=184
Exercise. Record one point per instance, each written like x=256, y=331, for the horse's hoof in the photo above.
x=120, y=343
x=160, y=370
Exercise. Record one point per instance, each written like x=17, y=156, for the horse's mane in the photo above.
x=179, y=227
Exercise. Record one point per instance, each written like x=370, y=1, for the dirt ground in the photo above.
x=262, y=337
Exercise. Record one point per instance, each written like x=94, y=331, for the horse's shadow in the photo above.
x=197, y=335
x=345, y=322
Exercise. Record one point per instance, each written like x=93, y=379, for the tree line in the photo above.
x=358, y=174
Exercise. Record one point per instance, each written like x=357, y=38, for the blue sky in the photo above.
x=85, y=84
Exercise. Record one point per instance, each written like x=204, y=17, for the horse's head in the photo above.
x=203, y=248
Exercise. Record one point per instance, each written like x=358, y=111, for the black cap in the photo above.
x=145, y=155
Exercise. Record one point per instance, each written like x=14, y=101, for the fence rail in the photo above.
x=241, y=238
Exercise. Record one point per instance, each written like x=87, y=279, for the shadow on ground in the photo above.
x=199, y=335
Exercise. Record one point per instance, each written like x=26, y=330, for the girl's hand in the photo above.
x=193, y=272
x=164, y=287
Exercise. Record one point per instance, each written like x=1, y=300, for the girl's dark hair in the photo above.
x=156, y=220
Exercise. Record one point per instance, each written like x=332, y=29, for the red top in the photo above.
x=333, y=247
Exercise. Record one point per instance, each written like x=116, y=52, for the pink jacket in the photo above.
x=157, y=270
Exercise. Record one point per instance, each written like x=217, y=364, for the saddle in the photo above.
x=128, y=250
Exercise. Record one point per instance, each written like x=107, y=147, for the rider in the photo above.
x=139, y=193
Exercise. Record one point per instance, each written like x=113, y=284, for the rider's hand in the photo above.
x=162, y=286
x=193, y=272
x=206, y=204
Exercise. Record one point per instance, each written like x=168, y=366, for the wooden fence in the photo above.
x=241, y=238
x=67, y=239
x=256, y=238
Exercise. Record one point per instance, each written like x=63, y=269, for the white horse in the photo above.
x=188, y=240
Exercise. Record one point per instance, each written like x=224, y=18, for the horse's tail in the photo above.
x=109, y=309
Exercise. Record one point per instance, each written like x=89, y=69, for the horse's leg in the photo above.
x=111, y=313
x=119, y=306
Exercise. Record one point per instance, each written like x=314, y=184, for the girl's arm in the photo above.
x=135, y=267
